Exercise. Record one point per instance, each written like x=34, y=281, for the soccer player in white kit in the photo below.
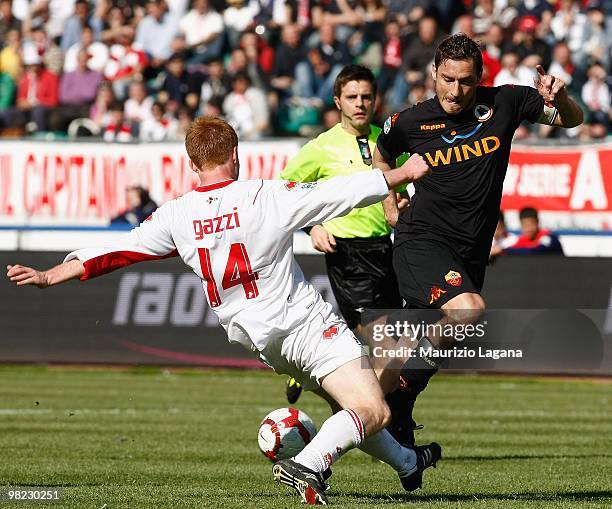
x=237, y=236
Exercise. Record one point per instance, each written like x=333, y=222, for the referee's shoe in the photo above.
x=294, y=390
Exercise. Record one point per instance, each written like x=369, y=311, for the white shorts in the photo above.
x=315, y=350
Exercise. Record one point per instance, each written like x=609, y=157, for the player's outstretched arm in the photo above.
x=415, y=168
x=22, y=276
x=301, y=205
x=553, y=90
x=152, y=240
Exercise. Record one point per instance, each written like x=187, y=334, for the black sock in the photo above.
x=401, y=406
x=414, y=377
x=418, y=369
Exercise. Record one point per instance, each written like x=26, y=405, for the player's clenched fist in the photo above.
x=416, y=167
x=322, y=240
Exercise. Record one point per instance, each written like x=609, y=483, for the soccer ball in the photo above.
x=284, y=432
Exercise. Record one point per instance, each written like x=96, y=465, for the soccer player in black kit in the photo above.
x=443, y=238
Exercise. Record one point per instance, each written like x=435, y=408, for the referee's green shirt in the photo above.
x=333, y=153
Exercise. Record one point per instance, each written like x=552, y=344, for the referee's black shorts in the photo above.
x=431, y=273
x=361, y=276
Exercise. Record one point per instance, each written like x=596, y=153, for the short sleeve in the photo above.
x=530, y=104
x=304, y=166
x=390, y=140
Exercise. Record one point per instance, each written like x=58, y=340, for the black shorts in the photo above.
x=361, y=276
x=430, y=273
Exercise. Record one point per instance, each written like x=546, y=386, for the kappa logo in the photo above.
x=330, y=332
x=483, y=112
x=453, y=278
x=432, y=127
x=436, y=293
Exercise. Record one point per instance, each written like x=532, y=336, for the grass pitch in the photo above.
x=147, y=438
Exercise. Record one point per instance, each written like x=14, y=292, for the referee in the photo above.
x=357, y=247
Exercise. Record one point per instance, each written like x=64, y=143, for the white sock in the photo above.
x=338, y=434
x=384, y=447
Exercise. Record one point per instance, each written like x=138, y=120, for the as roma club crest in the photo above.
x=453, y=278
x=483, y=112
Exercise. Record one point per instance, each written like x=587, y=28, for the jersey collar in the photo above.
x=216, y=185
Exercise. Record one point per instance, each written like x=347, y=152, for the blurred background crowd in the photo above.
x=126, y=70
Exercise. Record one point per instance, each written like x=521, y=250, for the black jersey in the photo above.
x=458, y=204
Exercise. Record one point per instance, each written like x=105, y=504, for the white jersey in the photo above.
x=237, y=236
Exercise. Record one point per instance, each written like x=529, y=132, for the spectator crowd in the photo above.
x=143, y=69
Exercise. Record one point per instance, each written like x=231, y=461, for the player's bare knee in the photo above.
x=465, y=309
x=380, y=416
x=475, y=310
x=385, y=416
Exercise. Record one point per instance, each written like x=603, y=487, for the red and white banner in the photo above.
x=45, y=183
x=572, y=186
x=84, y=183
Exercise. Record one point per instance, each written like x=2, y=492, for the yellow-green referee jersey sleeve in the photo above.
x=305, y=165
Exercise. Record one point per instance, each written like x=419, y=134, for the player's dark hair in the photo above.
x=528, y=212
x=353, y=72
x=210, y=142
x=459, y=47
